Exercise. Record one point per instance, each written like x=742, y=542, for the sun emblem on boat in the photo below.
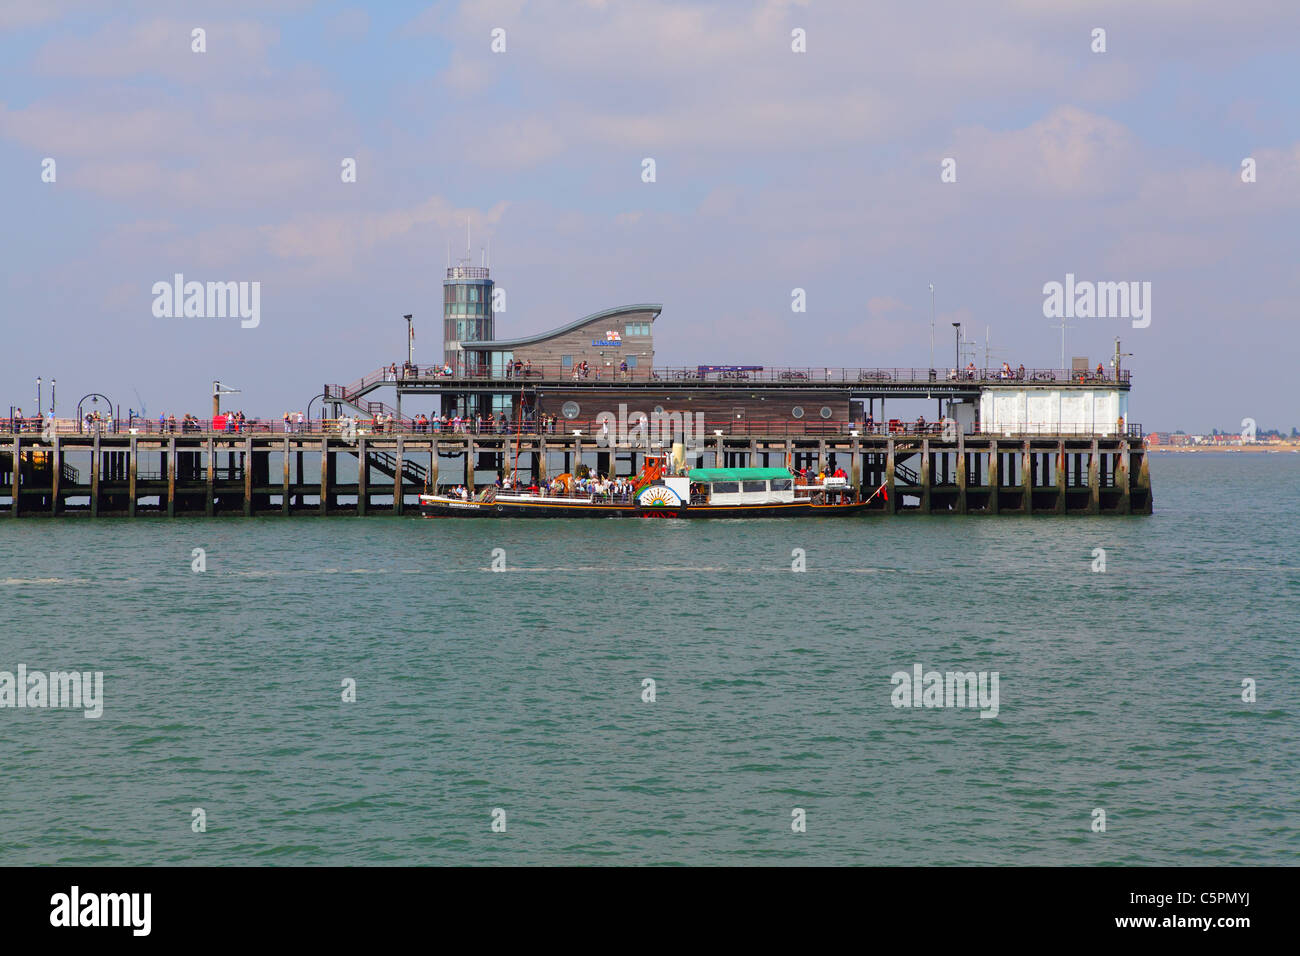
x=658, y=496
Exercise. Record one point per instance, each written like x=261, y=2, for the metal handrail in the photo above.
x=550, y=374
x=589, y=427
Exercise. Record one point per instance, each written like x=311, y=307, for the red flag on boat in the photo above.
x=884, y=492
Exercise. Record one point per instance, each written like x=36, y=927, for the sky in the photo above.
x=775, y=170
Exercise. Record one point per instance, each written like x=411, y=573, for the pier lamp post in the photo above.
x=410, y=340
x=956, y=327
x=53, y=383
x=927, y=394
x=38, y=394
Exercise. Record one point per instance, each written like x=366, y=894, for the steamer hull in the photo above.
x=438, y=506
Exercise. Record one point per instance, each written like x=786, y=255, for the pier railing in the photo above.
x=587, y=429
x=785, y=375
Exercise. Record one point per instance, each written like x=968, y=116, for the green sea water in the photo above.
x=523, y=689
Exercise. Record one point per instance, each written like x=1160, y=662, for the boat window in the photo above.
x=782, y=484
x=753, y=485
x=726, y=487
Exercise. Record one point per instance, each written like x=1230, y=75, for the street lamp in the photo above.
x=956, y=327
x=53, y=382
x=410, y=340
x=931, y=326
x=38, y=395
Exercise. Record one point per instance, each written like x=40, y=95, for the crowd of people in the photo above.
x=971, y=373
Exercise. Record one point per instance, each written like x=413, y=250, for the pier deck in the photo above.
x=317, y=473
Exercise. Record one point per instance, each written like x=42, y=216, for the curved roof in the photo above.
x=654, y=307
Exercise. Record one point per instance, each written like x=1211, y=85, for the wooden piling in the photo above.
x=891, y=507
x=133, y=451
x=995, y=477
x=1094, y=481
x=324, y=475
x=248, y=476
x=212, y=477
x=15, y=472
x=1060, y=477
x=1122, y=479
x=56, y=455
x=171, y=476
x=962, y=506
x=925, y=476
x=94, y=475
x=363, y=476
x=399, y=488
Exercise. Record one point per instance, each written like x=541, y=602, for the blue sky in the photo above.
x=775, y=170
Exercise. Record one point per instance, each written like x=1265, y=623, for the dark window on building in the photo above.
x=826, y=412
x=566, y=361
x=797, y=411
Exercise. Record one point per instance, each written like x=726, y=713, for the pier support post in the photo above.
x=1094, y=482
x=94, y=476
x=855, y=465
x=1060, y=477
x=324, y=475
x=541, y=475
x=891, y=507
x=1144, y=484
x=57, y=465
x=15, y=472
x=821, y=455
x=925, y=476
x=211, y=478
x=1121, y=479
x=399, y=491
x=363, y=472
x=171, y=477
x=1027, y=479
x=131, y=478
x=961, y=473
x=248, y=476
x=433, y=467
x=469, y=465
x=284, y=483
x=995, y=476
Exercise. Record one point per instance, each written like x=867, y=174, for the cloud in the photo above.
x=161, y=47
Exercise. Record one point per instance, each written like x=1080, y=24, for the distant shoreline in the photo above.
x=1285, y=447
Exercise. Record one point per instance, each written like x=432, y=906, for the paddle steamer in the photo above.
x=698, y=493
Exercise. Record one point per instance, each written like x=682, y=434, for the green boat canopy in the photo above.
x=736, y=474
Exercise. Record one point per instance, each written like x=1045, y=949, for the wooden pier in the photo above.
x=325, y=474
